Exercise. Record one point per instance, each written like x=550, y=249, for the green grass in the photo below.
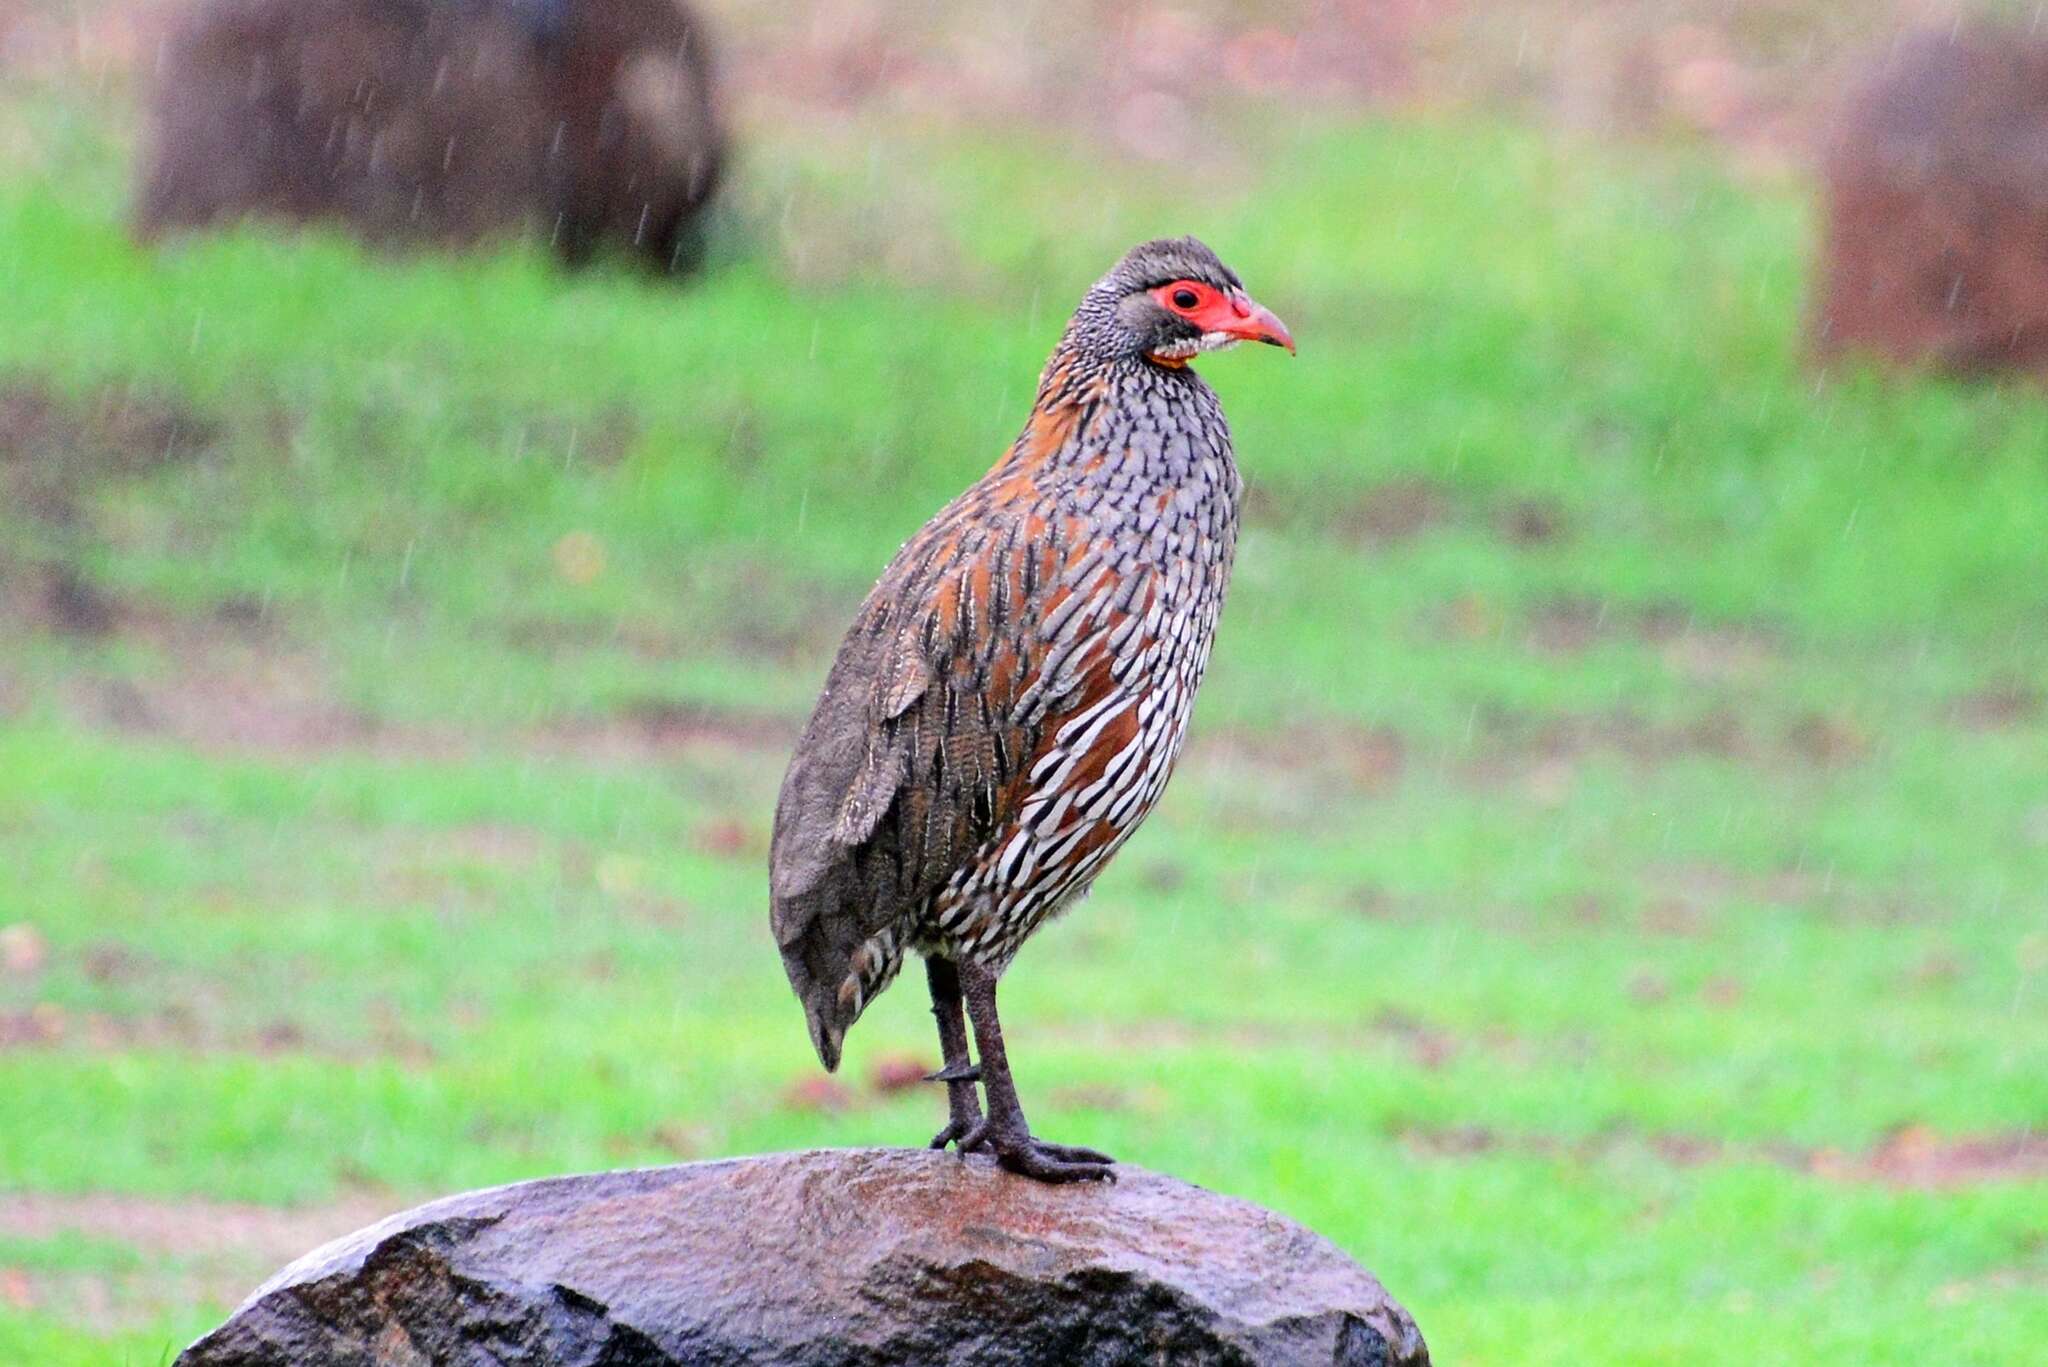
x=1504, y=872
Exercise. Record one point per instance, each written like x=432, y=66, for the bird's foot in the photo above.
x=959, y=1132
x=1018, y=1150
x=966, y=1123
x=956, y=1072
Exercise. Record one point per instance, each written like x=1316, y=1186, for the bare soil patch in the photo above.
x=59, y=598
x=662, y=727
x=602, y=439
x=2000, y=706
x=1699, y=885
x=52, y=444
x=236, y=684
x=1708, y=651
x=47, y=1026
x=1916, y=1157
x=1427, y=1045
x=1511, y=741
x=55, y=448
x=1687, y=899
x=1362, y=759
x=1913, y=1158
x=1394, y=513
x=229, y=713
x=1534, y=522
x=1541, y=750
x=217, y=1251
x=1401, y=510
x=228, y=683
x=190, y=1227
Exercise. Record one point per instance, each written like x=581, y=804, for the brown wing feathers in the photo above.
x=908, y=761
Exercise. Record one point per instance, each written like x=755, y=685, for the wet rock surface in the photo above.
x=857, y=1256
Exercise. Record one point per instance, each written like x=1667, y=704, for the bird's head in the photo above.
x=1170, y=300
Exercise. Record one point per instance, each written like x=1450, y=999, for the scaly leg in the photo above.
x=1005, y=1130
x=959, y=1073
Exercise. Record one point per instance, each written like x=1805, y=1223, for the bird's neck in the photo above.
x=1120, y=417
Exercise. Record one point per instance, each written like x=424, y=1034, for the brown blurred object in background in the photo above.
x=1935, y=236
x=592, y=122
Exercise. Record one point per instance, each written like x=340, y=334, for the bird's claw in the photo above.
x=1045, y=1162
x=1029, y=1156
x=956, y=1072
x=965, y=1135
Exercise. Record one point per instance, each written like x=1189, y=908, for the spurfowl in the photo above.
x=1009, y=703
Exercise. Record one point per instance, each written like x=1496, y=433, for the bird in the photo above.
x=1013, y=694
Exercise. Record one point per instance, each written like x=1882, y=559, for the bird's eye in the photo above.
x=1185, y=299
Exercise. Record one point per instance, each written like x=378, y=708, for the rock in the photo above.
x=439, y=121
x=855, y=1256
x=1935, y=244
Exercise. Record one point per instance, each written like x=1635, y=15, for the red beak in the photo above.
x=1237, y=315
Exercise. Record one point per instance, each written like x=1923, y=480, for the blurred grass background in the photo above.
x=1607, y=888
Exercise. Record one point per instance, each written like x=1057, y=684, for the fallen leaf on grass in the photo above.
x=1646, y=987
x=23, y=950
x=817, y=1093
x=41, y=1024
x=1094, y=1097
x=897, y=1073
x=729, y=840
x=1723, y=991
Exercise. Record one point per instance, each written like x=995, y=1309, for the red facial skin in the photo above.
x=1232, y=313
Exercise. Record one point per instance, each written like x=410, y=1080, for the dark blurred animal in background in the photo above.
x=1935, y=247
x=593, y=122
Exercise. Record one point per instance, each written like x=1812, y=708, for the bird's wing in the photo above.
x=921, y=706
x=984, y=628
x=933, y=714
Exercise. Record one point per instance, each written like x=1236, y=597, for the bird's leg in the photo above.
x=959, y=1073
x=1005, y=1130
